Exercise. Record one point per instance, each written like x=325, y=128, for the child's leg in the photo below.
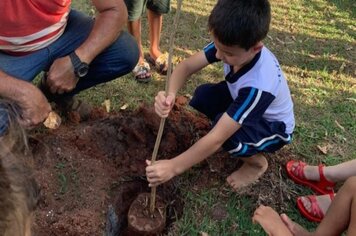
x=211, y=99
x=250, y=171
x=248, y=143
x=335, y=173
x=340, y=216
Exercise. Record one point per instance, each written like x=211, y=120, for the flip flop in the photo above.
x=316, y=215
x=142, y=72
x=323, y=186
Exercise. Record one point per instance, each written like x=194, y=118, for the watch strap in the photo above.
x=76, y=62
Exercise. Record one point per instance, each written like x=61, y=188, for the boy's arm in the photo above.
x=185, y=69
x=162, y=171
x=164, y=102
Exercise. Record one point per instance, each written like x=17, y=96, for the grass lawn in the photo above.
x=314, y=41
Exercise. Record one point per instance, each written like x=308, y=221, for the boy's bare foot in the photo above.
x=293, y=227
x=270, y=221
x=250, y=171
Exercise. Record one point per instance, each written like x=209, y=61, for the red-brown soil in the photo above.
x=85, y=169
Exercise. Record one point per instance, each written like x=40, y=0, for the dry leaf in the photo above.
x=323, y=149
x=204, y=234
x=279, y=40
x=342, y=67
x=187, y=95
x=124, y=106
x=348, y=48
x=53, y=120
x=340, y=126
x=107, y=105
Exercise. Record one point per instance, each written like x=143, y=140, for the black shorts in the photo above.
x=136, y=8
x=263, y=136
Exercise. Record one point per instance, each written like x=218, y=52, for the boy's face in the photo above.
x=234, y=55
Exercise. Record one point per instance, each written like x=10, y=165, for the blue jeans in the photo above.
x=118, y=59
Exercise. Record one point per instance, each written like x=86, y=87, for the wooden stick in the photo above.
x=163, y=120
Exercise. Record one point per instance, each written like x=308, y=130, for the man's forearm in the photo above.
x=109, y=22
x=9, y=86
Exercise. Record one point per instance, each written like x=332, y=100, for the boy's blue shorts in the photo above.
x=265, y=136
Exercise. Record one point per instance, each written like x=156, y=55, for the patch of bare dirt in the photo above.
x=83, y=168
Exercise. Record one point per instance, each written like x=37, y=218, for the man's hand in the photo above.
x=160, y=172
x=61, y=77
x=34, y=107
x=164, y=104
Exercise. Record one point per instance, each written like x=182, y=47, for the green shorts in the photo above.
x=136, y=8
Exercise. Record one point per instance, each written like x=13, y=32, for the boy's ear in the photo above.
x=258, y=47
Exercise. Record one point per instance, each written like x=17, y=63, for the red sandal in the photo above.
x=323, y=186
x=316, y=215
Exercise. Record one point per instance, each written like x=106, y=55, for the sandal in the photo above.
x=316, y=215
x=142, y=72
x=161, y=62
x=323, y=186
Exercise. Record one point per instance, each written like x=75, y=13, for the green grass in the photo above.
x=314, y=41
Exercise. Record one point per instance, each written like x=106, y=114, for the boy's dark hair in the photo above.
x=240, y=22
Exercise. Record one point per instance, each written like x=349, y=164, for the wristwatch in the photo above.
x=80, y=68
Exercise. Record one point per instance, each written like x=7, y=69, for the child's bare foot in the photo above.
x=270, y=221
x=250, y=171
x=293, y=227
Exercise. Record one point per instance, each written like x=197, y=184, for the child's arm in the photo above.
x=164, y=102
x=164, y=170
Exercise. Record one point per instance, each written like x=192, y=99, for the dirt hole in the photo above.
x=90, y=172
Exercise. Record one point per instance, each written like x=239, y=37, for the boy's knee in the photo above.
x=200, y=96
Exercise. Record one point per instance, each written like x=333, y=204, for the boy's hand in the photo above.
x=160, y=172
x=164, y=104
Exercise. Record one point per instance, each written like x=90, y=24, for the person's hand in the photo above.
x=164, y=104
x=34, y=107
x=160, y=172
x=61, y=77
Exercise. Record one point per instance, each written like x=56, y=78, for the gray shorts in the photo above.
x=136, y=8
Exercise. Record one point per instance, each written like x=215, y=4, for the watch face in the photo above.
x=82, y=70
